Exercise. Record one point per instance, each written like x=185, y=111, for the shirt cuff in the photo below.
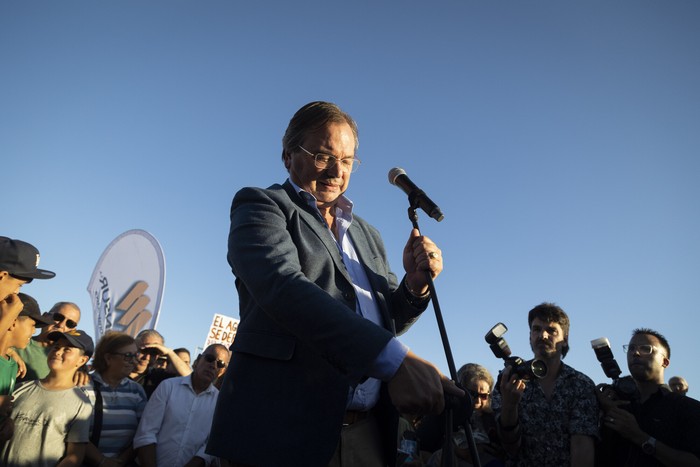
x=389, y=360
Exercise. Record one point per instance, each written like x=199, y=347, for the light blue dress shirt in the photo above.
x=363, y=396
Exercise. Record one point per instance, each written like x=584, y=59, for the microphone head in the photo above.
x=394, y=173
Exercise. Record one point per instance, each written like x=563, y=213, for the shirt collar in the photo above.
x=187, y=381
x=98, y=377
x=343, y=203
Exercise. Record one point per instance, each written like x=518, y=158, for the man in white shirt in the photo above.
x=174, y=428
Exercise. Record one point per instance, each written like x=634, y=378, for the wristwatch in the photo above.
x=649, y=446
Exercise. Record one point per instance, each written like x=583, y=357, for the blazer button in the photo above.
x=348, y=296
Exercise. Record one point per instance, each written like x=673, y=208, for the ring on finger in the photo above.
x=433, y=255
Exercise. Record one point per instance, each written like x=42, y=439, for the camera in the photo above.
x=625, y=388
x=526, y=370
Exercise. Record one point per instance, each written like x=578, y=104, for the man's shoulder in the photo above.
x=275, y=191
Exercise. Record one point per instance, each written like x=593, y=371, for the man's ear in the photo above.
x=287, y=159
x=665, y=362
x=83, y=360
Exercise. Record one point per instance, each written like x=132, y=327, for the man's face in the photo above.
x=208, y=371
x=646, y=367
x=9, y=284
x=64, y=357
x=23, y=331
x=678, y=385
x=546, y=339
x=326, y=185
x=146, y=358
x=66, y=318
x=185, y=357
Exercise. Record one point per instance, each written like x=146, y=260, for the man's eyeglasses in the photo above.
x=644, y=349
x=211, y=359
x=327, y=161
x=59, y=318
x=127, y=356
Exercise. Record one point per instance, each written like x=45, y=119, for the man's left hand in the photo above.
x=420, y=255
x=623, y=422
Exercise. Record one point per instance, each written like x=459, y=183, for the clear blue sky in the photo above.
x=560, y=139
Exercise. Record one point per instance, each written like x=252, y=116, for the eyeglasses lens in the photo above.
x=59, y=318
x=211, y=359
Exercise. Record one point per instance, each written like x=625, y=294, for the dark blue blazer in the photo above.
x=300, y=344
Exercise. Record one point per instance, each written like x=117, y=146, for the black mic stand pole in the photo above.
x=447, y=447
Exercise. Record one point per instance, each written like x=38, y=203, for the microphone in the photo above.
x=398, y=177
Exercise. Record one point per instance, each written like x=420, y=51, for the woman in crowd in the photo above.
x=479, y=383
x=117, y=400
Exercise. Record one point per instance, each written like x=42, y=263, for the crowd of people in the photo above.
x=316, y=375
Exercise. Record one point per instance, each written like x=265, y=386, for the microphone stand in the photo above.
x=447, y=447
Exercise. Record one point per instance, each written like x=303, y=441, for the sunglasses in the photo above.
x=211, y=359
x=148, y=351
x=127, y=356
x=479, y=395
x=59, y=318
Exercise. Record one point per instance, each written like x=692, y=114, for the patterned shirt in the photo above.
x=121, y=411
x=546, y=426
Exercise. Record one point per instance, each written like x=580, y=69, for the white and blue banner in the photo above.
x=127, y=284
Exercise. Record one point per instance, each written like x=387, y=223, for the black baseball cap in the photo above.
x=31, y=309
x=77, y=338
x=21, y=259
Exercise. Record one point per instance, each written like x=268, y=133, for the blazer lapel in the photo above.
x=318, y=226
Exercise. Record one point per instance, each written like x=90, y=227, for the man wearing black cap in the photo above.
x=19, y=263
x=17, y=335
x=51, y=416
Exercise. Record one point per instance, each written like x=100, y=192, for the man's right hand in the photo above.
x=418, y=387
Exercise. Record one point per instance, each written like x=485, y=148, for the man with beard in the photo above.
x=551, y=421
x=174, y=427
x=660, y=427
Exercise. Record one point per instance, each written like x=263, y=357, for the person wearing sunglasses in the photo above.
x=63, y=316
x=151, y=347
x=175, y=425
x=117, y=400
x=478, y=382
x=660, y=427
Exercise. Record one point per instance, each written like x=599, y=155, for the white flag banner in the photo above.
x=222, y=331
x=127, y=284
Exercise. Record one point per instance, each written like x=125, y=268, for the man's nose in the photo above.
x=337, y=170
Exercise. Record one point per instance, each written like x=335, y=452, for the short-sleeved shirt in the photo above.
x=122, y=407
x=671, y=418
x=8, y=375
x=35, y=357
x=546, y=426
x=45, y=420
